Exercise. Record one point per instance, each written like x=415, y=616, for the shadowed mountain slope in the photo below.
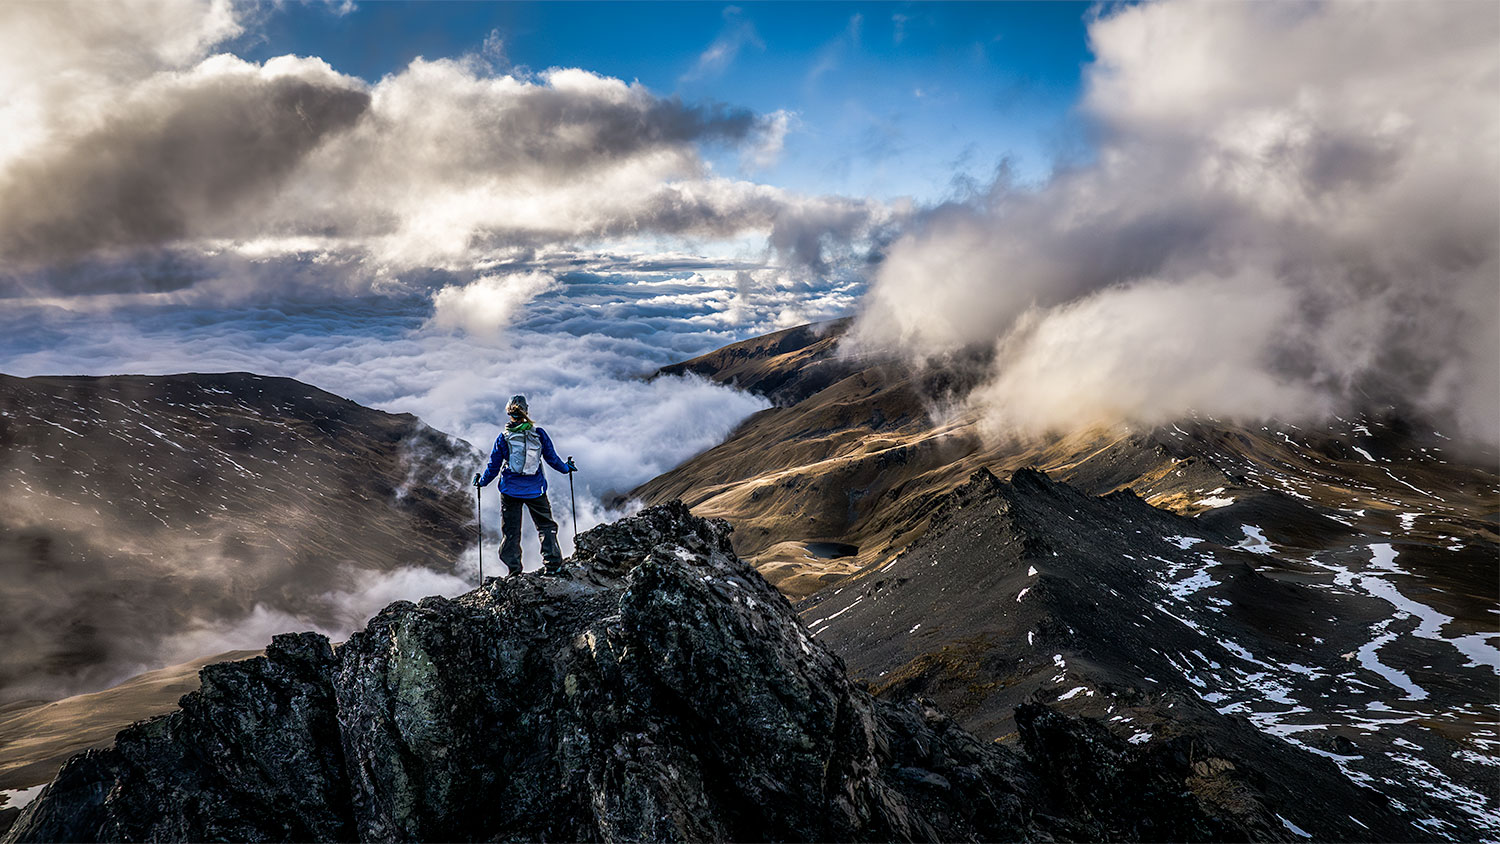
x=1162, y=625
x=785, y=366
x=144, y=517
x=659, y=690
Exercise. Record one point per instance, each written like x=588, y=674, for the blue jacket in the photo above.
x=515, y=484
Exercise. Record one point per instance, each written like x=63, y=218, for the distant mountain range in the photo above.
x=1335, y=588
x=142, y=518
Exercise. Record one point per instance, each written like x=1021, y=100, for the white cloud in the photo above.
x=766, y=151
x=183, y=154
x=834, y=52
x=898, y=32
x=337, y=613
x=1144, y=352
x=63, y=63
x=493, y=49
x=486, y=305
x=153, y=159
x=1336, y=165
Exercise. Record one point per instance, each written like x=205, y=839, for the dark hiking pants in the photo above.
x=510, y=530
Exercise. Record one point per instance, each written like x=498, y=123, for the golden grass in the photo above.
x=35, y=740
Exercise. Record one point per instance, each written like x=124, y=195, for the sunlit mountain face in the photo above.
x=1225, y=275
x=1331, y=587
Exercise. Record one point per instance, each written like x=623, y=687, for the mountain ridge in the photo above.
x=1161, y=625
x=1371, y=536
x=653, y=691
x=862, y=460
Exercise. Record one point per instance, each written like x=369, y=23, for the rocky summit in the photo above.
x=659, y=689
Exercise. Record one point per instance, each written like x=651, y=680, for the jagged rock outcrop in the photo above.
x=660, y=690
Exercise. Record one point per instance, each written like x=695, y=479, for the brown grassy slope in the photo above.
x=858, y=460
x=863, y=458
x=35, y=740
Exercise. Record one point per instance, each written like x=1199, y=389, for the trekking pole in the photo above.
x=572, y=501
x=479, y=518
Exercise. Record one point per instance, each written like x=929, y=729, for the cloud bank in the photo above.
x=1293, y=208
x=577, y=350
x=136, y=161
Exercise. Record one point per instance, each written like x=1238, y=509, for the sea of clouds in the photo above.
x=580, y=346
x=431, y=242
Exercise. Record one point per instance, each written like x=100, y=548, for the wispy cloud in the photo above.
x=738, y=33
x=486, y=306
x=834, y=52
x=493, y=48
x=767, y=151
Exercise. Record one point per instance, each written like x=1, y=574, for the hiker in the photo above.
x=520, y=450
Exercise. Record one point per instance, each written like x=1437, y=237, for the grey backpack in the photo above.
x=525, y=451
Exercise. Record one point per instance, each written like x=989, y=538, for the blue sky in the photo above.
x=889, y=99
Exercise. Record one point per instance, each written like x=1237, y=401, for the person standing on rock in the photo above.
x=517, y=459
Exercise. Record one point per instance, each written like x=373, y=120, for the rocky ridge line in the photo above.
x=660, y=690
